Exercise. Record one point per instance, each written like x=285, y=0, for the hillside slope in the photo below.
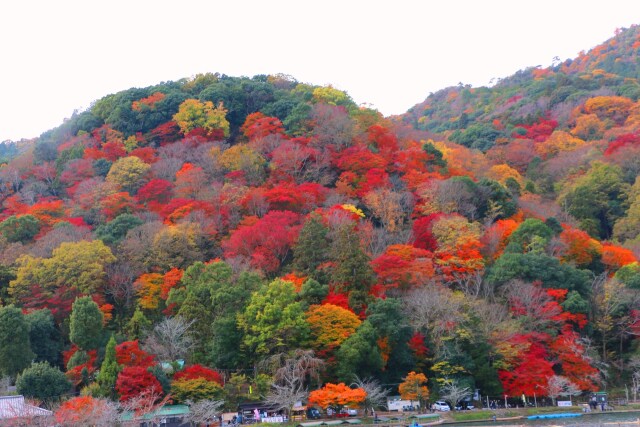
x=488, y=238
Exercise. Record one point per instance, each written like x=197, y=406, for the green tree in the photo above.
x=597, y=198
x=15, y=351
x=45, y=337
x=554, y=225
x=109, y=370
x=273, y=321
x=102, y=167
x=479, y=135
x=437, y=158
x=44, y=151
x=481, y=368
x=7, y=274
x=114, y=231
x=531, y=267
x=313, y=292
x=79, y=357
x=239, y=388
x=138, y=325
x=575, y=303
x=43, y=382
x=359, y=354
x=213, y=297
x=21, y=228
x=523, y=237
x=497, y=200
x=388, y=320
x=352, y=270
x=312, y=247
x=296, y=122
x=71, y=153
x=86, y=324
x=162, y=378
x=628, y=227
x=629, y=275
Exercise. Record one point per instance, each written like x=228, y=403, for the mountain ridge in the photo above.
x=489, y=238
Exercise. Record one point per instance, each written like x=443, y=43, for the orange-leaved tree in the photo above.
x=330, y=326
x=413, y=387
x=336, y=396
x=87, y=410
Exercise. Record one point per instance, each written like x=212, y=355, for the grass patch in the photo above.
x=472, y=415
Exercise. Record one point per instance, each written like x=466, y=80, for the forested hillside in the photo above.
x=487, y=239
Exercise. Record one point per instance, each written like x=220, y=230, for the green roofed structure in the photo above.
x=168, y=415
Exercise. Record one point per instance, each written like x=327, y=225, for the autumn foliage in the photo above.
x=129, y=354
x=85, y=410
x=337, y=396
x=487, y=237
x=134, y=381
x=413, y=387
x=198, y=371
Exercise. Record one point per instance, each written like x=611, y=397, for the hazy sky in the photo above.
x=60, y=55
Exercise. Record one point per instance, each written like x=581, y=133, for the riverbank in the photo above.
x=629, y=416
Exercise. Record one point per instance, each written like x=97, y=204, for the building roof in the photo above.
x=16, y=407
x=165, y=411
x=260, y=406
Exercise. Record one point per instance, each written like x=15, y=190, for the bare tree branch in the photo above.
x=376, y=395
x=561, y=386
x=453, y=392
x=169, y=340
x=291, y=374
x=204, y=411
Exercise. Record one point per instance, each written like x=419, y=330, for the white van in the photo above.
x=441, y=405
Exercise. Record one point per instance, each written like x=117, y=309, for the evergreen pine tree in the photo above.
x=15, y=347
x=138, y=325
x=312, y=248
x=86, y=324
x=109, y=370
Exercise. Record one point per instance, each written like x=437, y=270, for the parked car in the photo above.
x=313, y=414
x=331, y=413
x=441, y=405
x=350, y=412
x=464, y=406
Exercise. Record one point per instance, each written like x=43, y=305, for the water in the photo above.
x=608, y=419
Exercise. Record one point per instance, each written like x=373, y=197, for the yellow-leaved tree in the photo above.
x=194, y=114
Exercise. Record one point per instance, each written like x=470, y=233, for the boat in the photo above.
x=554, y=415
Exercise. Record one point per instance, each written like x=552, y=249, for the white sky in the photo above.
x=60, y=55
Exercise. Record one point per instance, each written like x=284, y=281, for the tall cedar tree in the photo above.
x=109, y=370
x=46, y=340
x=312, y=247
x=352, y=271
x=15, y=351
x=85, y=328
